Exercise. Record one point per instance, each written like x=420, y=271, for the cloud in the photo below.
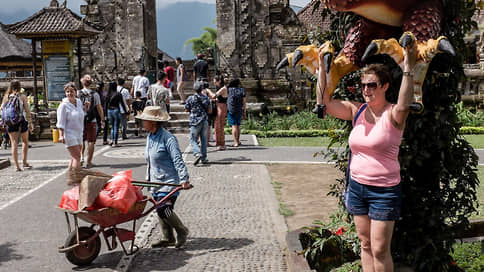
x=33, y=6
x=160, y=4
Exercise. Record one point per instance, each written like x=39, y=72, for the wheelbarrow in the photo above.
x=83, y=244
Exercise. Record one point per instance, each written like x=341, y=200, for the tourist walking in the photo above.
x=16, y=116
x=198, y=105
x=70, y=122
x=115, y=104
x=138, y=107
x=170, y=77
x=165, y=164
x=102, y=95
x=94, y=107
x=127, y=104
x=180, y=79
x=374, y=192
x=221, y=95
x=140, y=84
x=158, y=94
x=236, y=107
x=200, y=69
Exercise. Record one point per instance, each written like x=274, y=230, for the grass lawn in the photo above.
x=294, y=141
x=477, y=141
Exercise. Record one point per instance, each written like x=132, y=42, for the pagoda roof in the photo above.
x=52, y=22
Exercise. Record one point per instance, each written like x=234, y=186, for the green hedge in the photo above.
x=324, y=132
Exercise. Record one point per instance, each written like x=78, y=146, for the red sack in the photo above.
x=139, y=189
x=118, y=193
x=70, y=199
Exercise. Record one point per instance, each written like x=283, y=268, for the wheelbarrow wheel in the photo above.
x=84, y=254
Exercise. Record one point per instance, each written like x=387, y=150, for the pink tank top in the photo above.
x=374, y=149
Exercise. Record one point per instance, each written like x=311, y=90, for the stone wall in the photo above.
x=128, y=41
x=252, y=37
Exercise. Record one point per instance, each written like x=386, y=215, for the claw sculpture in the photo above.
x=426, y=52
x=381, y=20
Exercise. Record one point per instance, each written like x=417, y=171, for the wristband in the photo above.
x=411, y=74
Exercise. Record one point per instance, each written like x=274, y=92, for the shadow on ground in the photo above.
x=167, y=259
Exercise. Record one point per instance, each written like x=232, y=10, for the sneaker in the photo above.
x=198, y=157
x=205, y=161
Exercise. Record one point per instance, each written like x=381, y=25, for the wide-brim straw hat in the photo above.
x=154, y=113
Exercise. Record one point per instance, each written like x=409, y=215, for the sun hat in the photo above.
x=154, y=113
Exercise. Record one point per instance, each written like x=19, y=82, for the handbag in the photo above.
x=347, y=174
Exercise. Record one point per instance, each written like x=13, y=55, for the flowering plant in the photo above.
x=329, y=245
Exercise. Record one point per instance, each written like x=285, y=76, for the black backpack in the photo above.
x=91, y=113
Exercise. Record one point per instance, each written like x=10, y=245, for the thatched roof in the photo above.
x=52, y=22
x=15, y=48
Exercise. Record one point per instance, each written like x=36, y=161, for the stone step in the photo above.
x=178, y=115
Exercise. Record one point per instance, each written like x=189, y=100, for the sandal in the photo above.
x=27, y=166
x=18, y=170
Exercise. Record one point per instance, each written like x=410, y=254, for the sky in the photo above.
x=35, y=5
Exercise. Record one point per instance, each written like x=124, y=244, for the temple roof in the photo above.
x=13, y=47
x=52, y=22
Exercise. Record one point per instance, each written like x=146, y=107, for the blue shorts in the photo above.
x=379, y=203
x=234, y=120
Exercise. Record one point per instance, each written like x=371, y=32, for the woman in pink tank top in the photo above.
x=374, y=191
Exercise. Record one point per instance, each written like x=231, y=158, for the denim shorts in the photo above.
x=234, y=119
x=379, y=203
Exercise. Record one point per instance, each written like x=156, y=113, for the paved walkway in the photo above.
x=232, y=212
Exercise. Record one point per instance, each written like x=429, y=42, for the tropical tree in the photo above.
x=205, y=42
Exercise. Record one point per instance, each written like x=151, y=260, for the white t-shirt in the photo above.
x=126, y=96
x=141, y=84
x=70, y=118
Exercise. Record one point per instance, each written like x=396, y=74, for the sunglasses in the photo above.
x=369, y=85
x=69, y=85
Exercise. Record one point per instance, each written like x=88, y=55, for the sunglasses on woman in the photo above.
x=369, y=85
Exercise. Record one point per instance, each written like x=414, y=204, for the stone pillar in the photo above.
x=128, y=41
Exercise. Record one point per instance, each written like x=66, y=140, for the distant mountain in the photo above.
x=175, y=24
x=180, y=22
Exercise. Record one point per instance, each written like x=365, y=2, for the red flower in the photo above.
x=352, y=89
x=340, y=231
x=453, y=263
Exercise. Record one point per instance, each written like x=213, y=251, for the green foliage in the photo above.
x=329, y=245
x=303, y=120
x=438, y=167
x=468, y=256
x=205, y=42
x=468, y=118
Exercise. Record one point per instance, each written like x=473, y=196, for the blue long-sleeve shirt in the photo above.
x=165, y=161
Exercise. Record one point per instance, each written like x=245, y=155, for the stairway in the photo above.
x=179, y=122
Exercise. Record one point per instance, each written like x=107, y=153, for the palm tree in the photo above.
x=205, y=42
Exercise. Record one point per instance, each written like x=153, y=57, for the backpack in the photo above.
x=91, y=113
x=12, y=112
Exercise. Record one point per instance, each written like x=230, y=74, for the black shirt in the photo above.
x=201, y=69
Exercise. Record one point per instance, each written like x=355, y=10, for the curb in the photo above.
x=295, y=261
x=4, y=163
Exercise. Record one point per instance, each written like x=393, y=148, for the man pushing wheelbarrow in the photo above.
x=165, y=164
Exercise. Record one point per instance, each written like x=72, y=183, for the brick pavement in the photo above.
x=233, y=221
